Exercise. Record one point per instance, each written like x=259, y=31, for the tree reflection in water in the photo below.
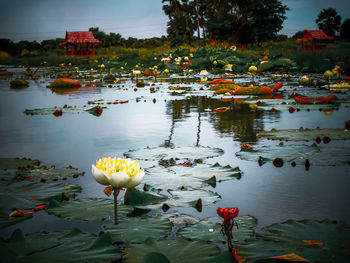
x=241, y=121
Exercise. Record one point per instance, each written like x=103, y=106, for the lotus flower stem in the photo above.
x=115, y=194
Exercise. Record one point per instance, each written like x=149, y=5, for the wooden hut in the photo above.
x=314, y=36
x=80, y=43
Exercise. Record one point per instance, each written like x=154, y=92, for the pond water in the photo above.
x=153, y=119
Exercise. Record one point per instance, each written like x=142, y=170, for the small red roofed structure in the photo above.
x=314, y=35
x=81, y=43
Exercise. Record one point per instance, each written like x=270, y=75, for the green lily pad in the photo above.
x=209, y=229
x=284, y=62
x=43, y=173
x=285, y=104
x=163, y=153
x=137, y=230
x=15, y=163
x=165, y=178
x=6, y=221
x=306, y=134
x=136, y=197
x=317, y=155
x=176, y=177
x=58, y=247
x=179, y=250
x=315, y=241
x=88, y=209
x=65, y=109
x=206, y=171
x=190, y=197
x=27, y=195
x=179, y=218
x=266, y=65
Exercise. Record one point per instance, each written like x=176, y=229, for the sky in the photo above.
x=49, y=19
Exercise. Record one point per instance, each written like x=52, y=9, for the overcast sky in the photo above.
x=48, y=19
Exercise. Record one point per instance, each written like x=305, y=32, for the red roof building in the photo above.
x=80, y=43
x=314, y=35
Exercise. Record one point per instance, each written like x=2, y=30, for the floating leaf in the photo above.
x=209, y=229
x=190, y=197
x=165, y=178
x=15, y=163
x=137, y=230
x=43, y=173
x=325, y=155
x=87, y=209
x=179, y=250
x=196, y=176
x=58, y=247
x=136, y=197
x=288, y=237
x=27, y=195
x=97, y=110
x=159, y=153
x=206, y=171
x=6, y=221
x=306, y=134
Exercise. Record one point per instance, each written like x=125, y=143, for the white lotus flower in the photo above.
x=136, y=72
x=117, y=172
x=203, y=72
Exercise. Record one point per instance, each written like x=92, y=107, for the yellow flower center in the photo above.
x=114, y=165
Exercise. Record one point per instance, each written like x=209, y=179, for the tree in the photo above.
x=299, y=34
x=182, y=21
x=244, y=21
x=266, y=19
x=226, y=19
x=329, y=21
x=345, y=30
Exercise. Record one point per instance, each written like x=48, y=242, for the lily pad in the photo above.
x=306, y=134
x=179, y=218
x=180, y=250
x=163, y=153
x=136, y=197
x=190, y=197
x=65, y=109
x=315, y=241
x=165, y=178
x=317, y=155
x=15, y=163
x=6, y=221
x=43, y=173
x=88, y=209
x=206, y=171
x=285, y=104
x=209, y=229
x=137, y=230
x=176, y=177
x=27, y=195
x=58, y=247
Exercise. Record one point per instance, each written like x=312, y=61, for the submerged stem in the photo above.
x=115, y=194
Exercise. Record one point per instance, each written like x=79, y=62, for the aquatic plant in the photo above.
x=19, y=83
x=229, y=214
x=116, y=174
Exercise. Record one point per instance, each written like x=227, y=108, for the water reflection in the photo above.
x=241, y=121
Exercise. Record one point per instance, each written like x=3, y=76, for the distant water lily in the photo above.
x=252, y=69
x=117, y=173
x=203, y=72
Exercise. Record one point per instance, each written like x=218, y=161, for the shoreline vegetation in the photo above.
x=283, y=56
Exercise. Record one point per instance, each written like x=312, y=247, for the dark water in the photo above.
x=270, y=194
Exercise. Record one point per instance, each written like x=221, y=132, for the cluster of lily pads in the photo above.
x=150, y=229
x=157, y=238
